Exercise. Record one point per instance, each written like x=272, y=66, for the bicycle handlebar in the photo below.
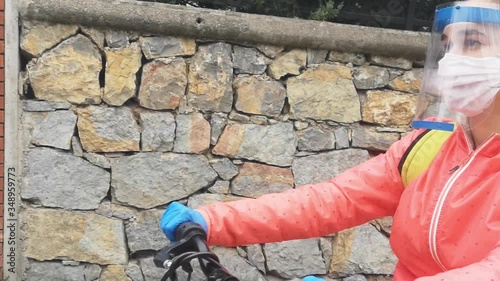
x=190, y=244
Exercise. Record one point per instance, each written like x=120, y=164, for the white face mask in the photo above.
x=469, y=85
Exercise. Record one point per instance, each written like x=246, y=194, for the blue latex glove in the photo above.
x=312, y=278
x=175, y=215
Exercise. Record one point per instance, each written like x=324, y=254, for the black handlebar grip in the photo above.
x=186, y=229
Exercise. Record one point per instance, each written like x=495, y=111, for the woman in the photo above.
x=446, y=221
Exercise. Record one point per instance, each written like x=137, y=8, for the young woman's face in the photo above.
x=473, y=39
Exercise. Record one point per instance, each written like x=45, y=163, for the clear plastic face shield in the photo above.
x=461, y=81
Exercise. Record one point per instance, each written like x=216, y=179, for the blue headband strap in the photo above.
x=433, y=125
x=456, y=14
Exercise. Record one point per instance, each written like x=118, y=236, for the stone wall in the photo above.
x=118, y=124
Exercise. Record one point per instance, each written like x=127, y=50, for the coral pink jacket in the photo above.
x=446, y=222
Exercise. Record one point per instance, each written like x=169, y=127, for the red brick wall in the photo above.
x=2, y=121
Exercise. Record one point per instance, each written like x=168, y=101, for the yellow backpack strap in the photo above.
x=421, y=153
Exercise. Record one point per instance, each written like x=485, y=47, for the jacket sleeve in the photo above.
x=488, y=270
x=360, y=194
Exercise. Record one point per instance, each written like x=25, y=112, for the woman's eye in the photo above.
x=472, y=43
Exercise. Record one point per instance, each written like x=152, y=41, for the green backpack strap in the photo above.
x=420, y=154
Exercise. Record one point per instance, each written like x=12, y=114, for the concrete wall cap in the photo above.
x=166, y=19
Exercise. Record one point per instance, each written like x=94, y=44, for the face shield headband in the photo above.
x=456, y=14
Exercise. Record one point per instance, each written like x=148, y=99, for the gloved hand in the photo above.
x=175, y=215
x=312, y=278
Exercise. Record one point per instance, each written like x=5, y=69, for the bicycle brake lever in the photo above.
x=191, y=243
x=186, y=234
x=165, y=256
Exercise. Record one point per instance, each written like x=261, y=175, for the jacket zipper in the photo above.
x=458, y=170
